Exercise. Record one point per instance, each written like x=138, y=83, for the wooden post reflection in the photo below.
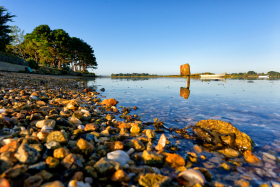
x=185, y=92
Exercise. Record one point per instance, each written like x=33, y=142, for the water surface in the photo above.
x=253, y=106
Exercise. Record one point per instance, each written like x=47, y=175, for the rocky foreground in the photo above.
x=54, y=132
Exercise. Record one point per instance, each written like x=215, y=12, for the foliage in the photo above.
x=251, y=73
x=15, y=46
x=5, y=30
x=273, y=74
x=52, y=48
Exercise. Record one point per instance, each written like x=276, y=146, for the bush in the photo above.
x=33, y=64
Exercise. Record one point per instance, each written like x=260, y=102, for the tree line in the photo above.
x=53, y=48
x=253, y=73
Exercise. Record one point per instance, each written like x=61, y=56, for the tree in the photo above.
x=16, y=45
x=60, y=46
x=251, y=73
x=5, y=30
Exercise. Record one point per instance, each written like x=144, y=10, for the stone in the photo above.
x=47, y=122
x=251, y=158
x=120, y=176
x=10, y=147
x=52, y=145
x=135, y=129
x=136, y=144
x=173, y=160
x=161, y=143
x=70, y=160
x=52, y=162
x=150, y=134
x=38, y=147
x=241, y=183
x=61, y=153
x=75, y=183
x=111, y=102
x=5, y=165
x=8, y=156
x=191, y=177
x=105, y=166
x=33, y=181
x=150, y=157
x=197, y=149
x=119, y=156
x=225, y=166
x=210, y=129
x=74, y=121
x=53, y=184
x=85, y=147
x=4, y=182
x=79, y=176
x=56, y=136
x=91, y=127
x=229, y=153
x=154, y=180
x=38, y=166
x=15, y=171
x=118, y=145
x=26, y=154
x=42, y=136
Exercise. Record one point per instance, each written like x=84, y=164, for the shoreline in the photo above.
x=59, y=128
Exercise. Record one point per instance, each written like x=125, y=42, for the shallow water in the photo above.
x=253, y=106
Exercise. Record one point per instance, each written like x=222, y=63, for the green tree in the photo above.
x=5, y=30
x=60, y=47
x=16, y=46
x=37, y=43
x=251, y=73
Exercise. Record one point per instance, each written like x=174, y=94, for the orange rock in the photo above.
x=161, y=143
x=174, y=160
x=91, y=127
x=120, y=176
x=111, y=102
x=4, y=183
x=118, y=145
x=124, y=125
x=251, y=158
x=10, y=147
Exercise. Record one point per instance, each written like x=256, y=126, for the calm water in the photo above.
x=253, y=106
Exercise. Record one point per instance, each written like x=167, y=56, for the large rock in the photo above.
x=217, y=132
x=154, y=180
x=111, y=102
x=26, y=154
x=119, y=156
x=150, y=157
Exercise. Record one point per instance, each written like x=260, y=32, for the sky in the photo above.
x=157, y=36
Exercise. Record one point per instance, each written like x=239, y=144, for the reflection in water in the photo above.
x=213, y=79
x=185, y=92
x=132, y=78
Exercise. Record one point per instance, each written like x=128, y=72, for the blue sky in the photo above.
x=157, y=36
